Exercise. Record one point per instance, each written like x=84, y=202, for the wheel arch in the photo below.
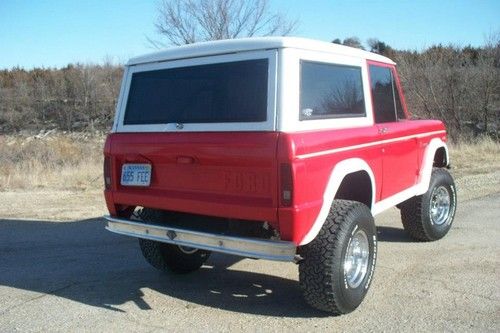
x=356, y=186
x=350, y=170
x=441, y=158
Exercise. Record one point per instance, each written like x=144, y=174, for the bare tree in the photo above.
x=353, y=42
x=189, y=21
x=380, y=47
x=457, y=85
x=74, y=98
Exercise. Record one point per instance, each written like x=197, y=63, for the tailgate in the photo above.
x=229, y=174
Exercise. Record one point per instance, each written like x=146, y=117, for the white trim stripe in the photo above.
x=364, y=145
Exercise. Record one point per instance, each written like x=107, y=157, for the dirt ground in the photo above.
x=60, y=270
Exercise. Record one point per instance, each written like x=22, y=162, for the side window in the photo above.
x=386, y=101
x=330, y=91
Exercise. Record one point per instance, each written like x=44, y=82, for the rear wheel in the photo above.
x=338, y=265
x=429, y=216
x=169, y=257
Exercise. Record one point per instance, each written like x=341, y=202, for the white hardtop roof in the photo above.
x=253, y=44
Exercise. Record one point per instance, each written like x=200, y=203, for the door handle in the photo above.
x=185, y=160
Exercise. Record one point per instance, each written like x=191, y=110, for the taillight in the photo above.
x=107, y=172
x=286, y=182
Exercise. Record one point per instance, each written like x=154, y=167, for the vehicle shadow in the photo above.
x=393, y=235
x=83, y=262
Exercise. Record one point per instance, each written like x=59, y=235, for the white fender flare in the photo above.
x=339, y=172
x=427, y=164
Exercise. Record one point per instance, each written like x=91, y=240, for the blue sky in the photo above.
x=53, y=33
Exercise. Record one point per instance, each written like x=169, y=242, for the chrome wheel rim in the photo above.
x=356, y=259
x=440, y=205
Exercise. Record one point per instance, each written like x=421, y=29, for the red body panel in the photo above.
x=312, y=174
x=230, y=175
x=236, y=175
x=394, y=164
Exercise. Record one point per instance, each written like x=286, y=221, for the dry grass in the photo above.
x=74, y=161
x=60, y=161
x=480, y=157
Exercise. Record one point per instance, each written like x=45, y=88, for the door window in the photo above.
x=385, y=95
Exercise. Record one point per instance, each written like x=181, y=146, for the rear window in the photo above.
x=214, y=93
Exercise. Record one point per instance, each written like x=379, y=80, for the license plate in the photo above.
x=136, y=174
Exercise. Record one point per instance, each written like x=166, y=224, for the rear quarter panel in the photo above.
x=316, y=153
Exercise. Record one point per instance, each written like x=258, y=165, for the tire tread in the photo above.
x=413, y=210
x=316, y=273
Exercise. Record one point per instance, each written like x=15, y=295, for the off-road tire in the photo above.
x=169, y=257
x=321, y=272
x=416, y=212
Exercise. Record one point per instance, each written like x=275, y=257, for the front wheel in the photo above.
x=429, y=216
x=338, y=265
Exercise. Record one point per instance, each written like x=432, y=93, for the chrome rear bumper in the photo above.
x=245, y=247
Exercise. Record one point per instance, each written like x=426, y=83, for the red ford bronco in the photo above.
x=273, y=148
